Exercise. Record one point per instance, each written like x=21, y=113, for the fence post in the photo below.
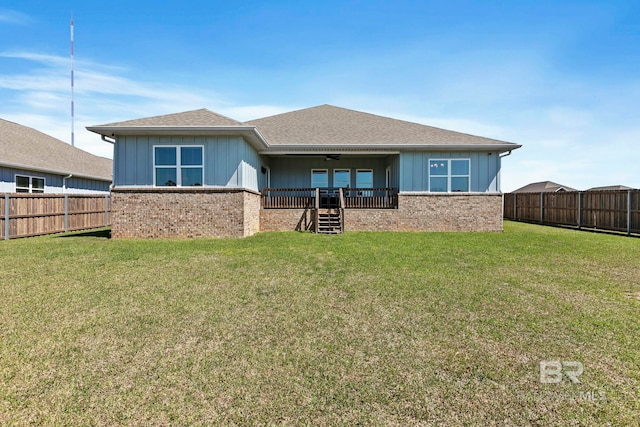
x=541, y=207
x=66, y=213
x=628, y=212
x=515, y=206
x=106, y=209
x=580, y=210
x=6, y=217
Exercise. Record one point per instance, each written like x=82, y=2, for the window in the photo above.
x=178, y=166
x=341, y=178
x=364, y=178
x=449, y=175
x=29, y=184
x=319, y=178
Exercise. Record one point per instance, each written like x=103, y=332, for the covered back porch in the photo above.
x=296, y=181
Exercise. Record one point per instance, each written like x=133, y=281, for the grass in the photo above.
x=291, y=328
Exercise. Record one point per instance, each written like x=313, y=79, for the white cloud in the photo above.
x=14, y=17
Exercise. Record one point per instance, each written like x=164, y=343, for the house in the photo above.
x=325, y=169
x=33, y=162
x=611, y=188
x=544, y=187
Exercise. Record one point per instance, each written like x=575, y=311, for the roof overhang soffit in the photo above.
x=386, y=149
x=249, y=133
x=252, y=135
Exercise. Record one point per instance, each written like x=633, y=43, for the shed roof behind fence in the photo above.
x=544, y=187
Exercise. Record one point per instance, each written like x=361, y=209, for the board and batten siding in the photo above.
x=229, y=161
x=484, y=170
x=53, y=184
x=295, y=172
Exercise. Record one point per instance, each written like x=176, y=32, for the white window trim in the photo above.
x=449, y=175
x=320, y=170
x=342, y=170
x=365, y=170
x=30, y=188
x=178, y=166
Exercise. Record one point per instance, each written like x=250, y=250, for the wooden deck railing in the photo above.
x=371, y=198
x=351, y=198
x=288, y=198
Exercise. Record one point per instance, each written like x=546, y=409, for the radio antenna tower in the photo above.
x=73, y=143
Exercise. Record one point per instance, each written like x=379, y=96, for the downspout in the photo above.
x=64, y=183
x=110, y=141
x=500, y=173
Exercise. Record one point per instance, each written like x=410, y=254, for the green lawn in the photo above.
x=292, y=328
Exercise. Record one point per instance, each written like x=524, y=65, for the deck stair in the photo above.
x=329, y=222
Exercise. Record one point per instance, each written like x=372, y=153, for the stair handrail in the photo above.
x=303, y=218
x=317, y=207
x=342, y=205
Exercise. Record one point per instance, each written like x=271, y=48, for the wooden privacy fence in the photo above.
x=602, y=210
x=26, y=215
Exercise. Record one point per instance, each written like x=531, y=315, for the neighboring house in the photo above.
x=324, y=168
x=610, y=188
x=33, y=162
x=544, y=187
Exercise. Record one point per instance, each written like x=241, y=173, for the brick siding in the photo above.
x=172, y=212
x=416, y=212
x=450, y=212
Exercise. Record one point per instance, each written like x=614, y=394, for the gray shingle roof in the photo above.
x=321, y=127
x=32, y=149
x=202, y=117
x=330, y=125
x=610, y=188
x=543, y=187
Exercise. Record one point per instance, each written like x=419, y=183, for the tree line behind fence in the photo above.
x=602, y=210
x=26, y=215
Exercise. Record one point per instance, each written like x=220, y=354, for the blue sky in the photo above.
x=560, y=78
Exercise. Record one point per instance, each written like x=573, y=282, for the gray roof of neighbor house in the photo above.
x=22, y=147
x=324, y=127
x=544, y=187
x=610, y=188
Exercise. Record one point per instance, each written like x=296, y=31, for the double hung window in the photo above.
x=449, y=175
x=319, y=178
x=180, y=166
x=29, y=184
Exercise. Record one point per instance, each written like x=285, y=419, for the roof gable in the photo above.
x=25, y=147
